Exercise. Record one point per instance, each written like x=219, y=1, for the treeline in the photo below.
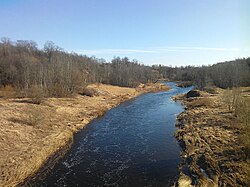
x=51, y=71
x=54, y=72
x=225, y=75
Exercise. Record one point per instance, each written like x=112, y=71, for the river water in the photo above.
x=131, y=145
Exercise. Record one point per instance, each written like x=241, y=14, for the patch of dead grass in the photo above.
x=33, y=116
x=7, y=91
x=200, y=102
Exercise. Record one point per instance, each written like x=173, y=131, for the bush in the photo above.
x=227, y=98
x=58, y=90
x=36, y=94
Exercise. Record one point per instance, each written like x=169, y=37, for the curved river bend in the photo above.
x=131, y=145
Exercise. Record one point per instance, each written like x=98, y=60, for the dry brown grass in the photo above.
x=31, y=133
x=211, y=138
x=88, y=92
x=246, y=167
x=7, y=91
x=242, y=111
x=34, y=115
x=101, y=112
x=200, y=102
x=36, y=94
x=17, y=168
x=211, y=90
x=156, y=87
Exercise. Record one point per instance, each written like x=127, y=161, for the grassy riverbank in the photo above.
x=215, y=151
x=32, y=133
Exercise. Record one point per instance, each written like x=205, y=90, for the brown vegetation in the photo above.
x=31, y=133
x=214, y=139
x=184, y=84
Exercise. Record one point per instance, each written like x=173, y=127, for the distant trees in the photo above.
x=54, y=72
x=231, y=74
x=225, y=75
x=24, y=66
x=58, y=73
x=123, y=72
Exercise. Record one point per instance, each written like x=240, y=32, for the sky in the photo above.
x=168, y=32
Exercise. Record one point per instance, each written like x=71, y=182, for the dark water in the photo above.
x=131, y=145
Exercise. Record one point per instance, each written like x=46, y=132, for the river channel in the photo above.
x=131, y=145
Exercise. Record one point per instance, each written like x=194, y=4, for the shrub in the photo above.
x=58, y=90
x=36, y=94
x=227, y=98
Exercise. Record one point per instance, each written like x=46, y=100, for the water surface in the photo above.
x=131, y=145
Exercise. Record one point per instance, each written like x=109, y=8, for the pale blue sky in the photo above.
x=170, y=32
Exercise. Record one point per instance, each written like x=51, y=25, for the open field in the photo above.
x=31, y=133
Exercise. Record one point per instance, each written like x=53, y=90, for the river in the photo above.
x=131, y=145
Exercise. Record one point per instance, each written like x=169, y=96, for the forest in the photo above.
x=51, y=71
x=224, y=74
x=58, y=73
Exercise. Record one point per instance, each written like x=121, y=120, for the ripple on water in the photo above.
x=131, y=145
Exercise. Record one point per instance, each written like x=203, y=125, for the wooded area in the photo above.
x=51, y=71
x=59, y=73
x=224, y=75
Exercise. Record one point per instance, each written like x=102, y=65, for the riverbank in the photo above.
x=210, y=136
x=32, y=133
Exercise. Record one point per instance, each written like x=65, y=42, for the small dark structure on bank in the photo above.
x=193, y=93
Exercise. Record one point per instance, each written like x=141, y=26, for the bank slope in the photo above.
x=209, y=134
x=32, y=133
